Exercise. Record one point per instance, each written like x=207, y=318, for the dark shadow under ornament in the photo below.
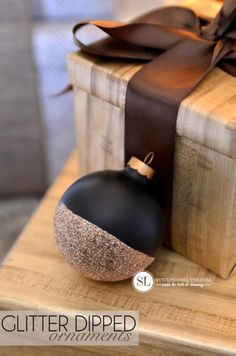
x=109, y=224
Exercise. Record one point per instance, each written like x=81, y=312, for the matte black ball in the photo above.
x=109, y=224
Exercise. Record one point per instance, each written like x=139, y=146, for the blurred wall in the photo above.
x=51, y=42
x=22, y=169
x=126, y=9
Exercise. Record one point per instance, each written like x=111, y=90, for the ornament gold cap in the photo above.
x=143, y=166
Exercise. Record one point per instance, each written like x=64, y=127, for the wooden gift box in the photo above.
x=204, y=196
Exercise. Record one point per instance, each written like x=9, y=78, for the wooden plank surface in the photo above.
x=205, y=8
x=174, y=320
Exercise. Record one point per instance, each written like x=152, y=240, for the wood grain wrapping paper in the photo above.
x=21, y=133
x=204, y=204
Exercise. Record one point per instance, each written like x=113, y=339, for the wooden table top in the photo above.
x=173, y=320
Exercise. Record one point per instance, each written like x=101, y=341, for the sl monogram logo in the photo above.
x=143, y=281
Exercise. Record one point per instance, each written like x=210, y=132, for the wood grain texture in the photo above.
x=204, y=194
x=100, y=133
x=205, y=8
x=204, y=204
x=202, y=118
x=174, y=320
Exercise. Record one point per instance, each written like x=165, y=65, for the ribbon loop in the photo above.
x=224, y=21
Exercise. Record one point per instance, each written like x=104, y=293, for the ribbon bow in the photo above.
x=180, y=48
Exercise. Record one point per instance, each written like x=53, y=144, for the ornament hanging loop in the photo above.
x=149, y=158
x=143, y=166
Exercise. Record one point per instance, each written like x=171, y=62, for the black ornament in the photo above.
x=109, y=224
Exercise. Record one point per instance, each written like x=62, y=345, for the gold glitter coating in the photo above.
x=93, y=251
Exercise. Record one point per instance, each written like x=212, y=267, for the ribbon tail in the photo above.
x=66, y=90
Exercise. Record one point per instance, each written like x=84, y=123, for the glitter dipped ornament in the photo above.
x=109, y=224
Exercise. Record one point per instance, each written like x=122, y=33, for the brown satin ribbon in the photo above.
x=180, y=49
